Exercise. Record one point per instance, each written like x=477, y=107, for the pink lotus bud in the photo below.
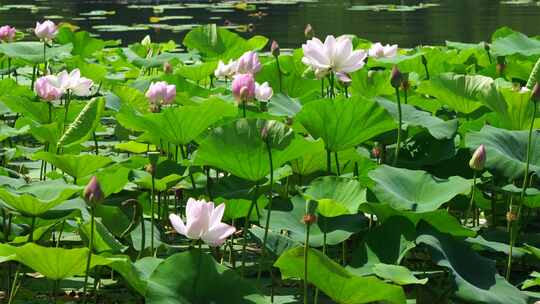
x=161, y=93
x=243, y=87
x=248, y=63
x=167, y=68
x=478, y=159
x=308, y=32
x=397, y=77
x=93, y=194
x=263, y=92
x=46, y=31
x=275, y=49
x=45, y=89
x=7, y=33
x=535, y=96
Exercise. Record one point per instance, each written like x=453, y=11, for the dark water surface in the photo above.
x=283, y=20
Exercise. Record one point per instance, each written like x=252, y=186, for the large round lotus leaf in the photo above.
x=195, y=277
x=462, y=93
x=506, y=151
x=76, y=166
x=344, y=123
x=54, y=263
x=237, y=147
x=415, y=190
x=475, y=277
x=338, y=229
x=516, y=43
x=335, y=281
x=336, y=195
x=37, y=198
x=32, y=51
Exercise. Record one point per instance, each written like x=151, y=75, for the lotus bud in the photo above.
x=263, y=92
x=405, y=85
x=424, y=60
x=150, y=168
x=309, y=219
x=46, y=31
x=248, y=63
x=146, y=42
x=478, y=159
x=7, y=33
x=289, y=121
x=397, y=77
x=93, y=195
x=45, y=89
x=178, y=194
x=376, y=151
x=243, y=87
x=275, y=49
x=535, y=96
x=167, y=68
x=486, y=47
x=308, y=32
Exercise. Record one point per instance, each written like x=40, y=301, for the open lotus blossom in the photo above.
x=161, y=92
x=334, y=55
x=248, y=63
x=263, y=92
x=7, y=33
x=203, y=222
x=226, y=70
x=80, y=86
x=46, y=31
x=47, y=88
x=378, y=50
x=243, y=87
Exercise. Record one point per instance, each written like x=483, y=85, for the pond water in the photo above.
x=407, y=23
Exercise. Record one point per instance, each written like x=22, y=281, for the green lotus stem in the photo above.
x=400, y=123
x=322, y=87
x=332, y=92
x=60, y=233
x=533, y=77
x=244, y=107
x=96, y=146
x=184, y=156
x=143, y=238
x=34, y=72
x=196, y=280
x=513, y=234
x=14, y=286
x=246, y=226
x=279, y=74
x=425, y=63
x=32, y=227
x=338, y=169
x=324, y=248
x=208, y=183
x=328, y=161
x=152, y=203
x=471, y=202
x=90, y=247
x=9, y=68
x=268, y=214
x=306, y=253
x=66, y=107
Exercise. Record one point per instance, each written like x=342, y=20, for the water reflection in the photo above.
x=283, y=20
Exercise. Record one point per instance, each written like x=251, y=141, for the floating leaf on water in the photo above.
x=99, y=13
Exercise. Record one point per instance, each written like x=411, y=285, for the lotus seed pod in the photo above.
x=93, y=195
x=478, y=159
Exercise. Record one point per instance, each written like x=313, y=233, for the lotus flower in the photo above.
x=7, y=33
x=203, y=222
x=478, y=159
x=274, y=49
x=161, y=93
x=73, y=81
x=334, y=55
x=378, y=50
x=243, y=87
x=263, y=92
x=226, y=70
x=46, y=89
x=46, y=31
x=93, y=194
x=248, y=63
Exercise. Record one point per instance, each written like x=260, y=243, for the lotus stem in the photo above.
x=89, y=258
x=68, y=100
x=32, y=227
x=338, y=169
x=279, y=74
x=332, y=92
x=246, y=227
x=322, y=87
x=152, y=203
x=514, y=234
x=328, y=161
x=60, y=233
x=96, y=145
x=244, y=107
x=196, y=280
x=534, y=75
x=400, y=122
x=268, y=214
x=14, y=286
x=44, y=58
x=306, y=253
x=471, y=202
x=425, y=63
x=184, y=156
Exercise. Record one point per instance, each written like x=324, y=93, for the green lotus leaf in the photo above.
x=336, y=196
x=32, y=51
x=76, y=166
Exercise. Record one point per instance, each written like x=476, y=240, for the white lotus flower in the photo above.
x=334, y=55
x=378, y=50
x=226, y=70
x=263, y=92
x=203, y=223
x=73, y=82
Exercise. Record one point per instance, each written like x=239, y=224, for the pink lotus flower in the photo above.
x=335, y=55
x=92, y=193
x=248, y=63
x=263, y=92
x=243, y=87
x=203, y=222
x=46, y=89
x=73, y=81
x=46, y=31
x=378, y=50
x=7, y=33
x=478, y=159
x=226, y=70
x=161, y=92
